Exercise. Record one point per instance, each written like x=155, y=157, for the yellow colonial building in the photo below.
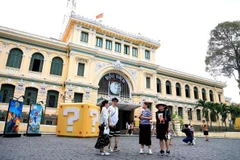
x=93, y=62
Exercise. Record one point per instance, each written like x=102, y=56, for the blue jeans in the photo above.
x=188, y=139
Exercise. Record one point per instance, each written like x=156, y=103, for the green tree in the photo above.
x=235, y=112
x=214, y=111
x=223, y=55
x=204, y=104
x=223, y=110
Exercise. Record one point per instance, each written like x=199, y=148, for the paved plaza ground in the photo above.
x=50, y=147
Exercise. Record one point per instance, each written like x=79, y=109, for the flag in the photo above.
x=99, y=16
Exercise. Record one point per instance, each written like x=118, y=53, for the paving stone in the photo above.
x=50, y=147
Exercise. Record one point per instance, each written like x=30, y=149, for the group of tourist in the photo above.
x=109, y=127
x=129, y=128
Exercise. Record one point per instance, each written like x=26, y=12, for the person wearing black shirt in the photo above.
x=163, y=127
x=188, y=133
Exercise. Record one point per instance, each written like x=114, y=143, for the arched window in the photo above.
x=206, y=115
x=203, y=94
x=52, y=99
x=170, y=109
x=178, y=89
x=113, y=84
x=14, y=58
x=213, y=117
x=211, y=95
x=6, y=92
x=158, y=86
x=198, y=114
x=30, y=96
x=189, y=114
x=180, y=112
x=187, y=91
x=36, y=62
x=196, y=93
x=168, y=87
x=56, y=67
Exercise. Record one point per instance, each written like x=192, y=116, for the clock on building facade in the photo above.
x=113, y=84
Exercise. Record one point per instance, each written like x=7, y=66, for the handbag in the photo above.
x=106, y=131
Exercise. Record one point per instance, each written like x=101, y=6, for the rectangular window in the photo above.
x=126, y=49
x=99, y=42
x=78, y=97
x=84, y=37
x=134, y=52
x=117, y=47
x=48, y=122
x=108, y=45
x=148, y=85
x=80, y=71
x=147, y=54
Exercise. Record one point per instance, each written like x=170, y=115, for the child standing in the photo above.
x=163, y=127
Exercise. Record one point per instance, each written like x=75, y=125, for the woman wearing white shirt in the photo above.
x=103, y=139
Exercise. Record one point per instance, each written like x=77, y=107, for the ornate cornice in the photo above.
x=117, y=31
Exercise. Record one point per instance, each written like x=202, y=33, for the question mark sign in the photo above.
x=94, y=120
x=72, y=118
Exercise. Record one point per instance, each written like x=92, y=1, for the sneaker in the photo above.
x=193, y=142
x=161, y=153
x=110, y=149
x=116, y=149
x=190, y=143
x=104, y=153
x=141, y=151
x=149, y=151
x=167, y=153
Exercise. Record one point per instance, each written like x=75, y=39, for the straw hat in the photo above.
x=161, y=103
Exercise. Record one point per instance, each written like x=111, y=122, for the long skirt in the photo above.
x=103, y=139
x=145, y=134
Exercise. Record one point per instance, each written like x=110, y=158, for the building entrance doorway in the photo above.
x=124, y=117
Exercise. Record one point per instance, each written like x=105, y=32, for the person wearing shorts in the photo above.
x=114, y=126
x=163, y=127
x=205, y=130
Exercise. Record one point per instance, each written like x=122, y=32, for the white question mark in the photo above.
x=94, y=120
x=72, y=118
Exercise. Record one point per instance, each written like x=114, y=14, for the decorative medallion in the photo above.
x=118, y=65
x=70, y=90
x=43, y=89
x=20, y=85
x=133, y=73
x=87, y=92
x=100, y=65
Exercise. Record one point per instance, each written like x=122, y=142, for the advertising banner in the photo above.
x=35, y=116
x=14, y=116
